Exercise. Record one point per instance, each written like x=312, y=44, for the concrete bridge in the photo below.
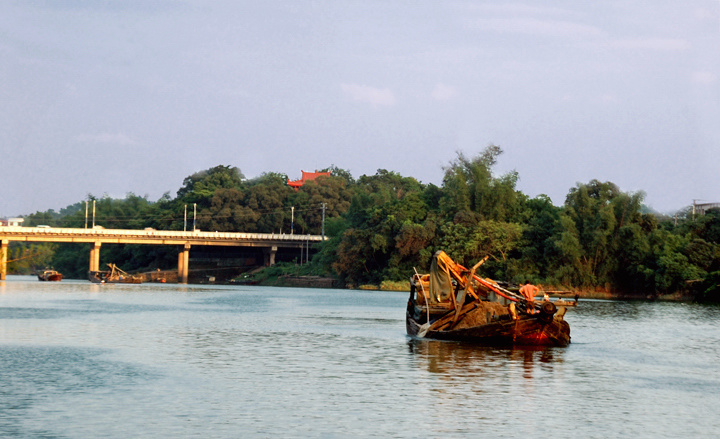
x=96, y=237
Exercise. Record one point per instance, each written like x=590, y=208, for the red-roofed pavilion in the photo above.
x=306, y=176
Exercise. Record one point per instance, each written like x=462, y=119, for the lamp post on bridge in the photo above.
x=323, y=221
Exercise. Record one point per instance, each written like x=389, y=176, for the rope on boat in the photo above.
x=426, y=296
x=425, y=326
x=509, y=295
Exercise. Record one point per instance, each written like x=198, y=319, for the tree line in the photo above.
x=383, y=226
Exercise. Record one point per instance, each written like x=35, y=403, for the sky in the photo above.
x=111, y=97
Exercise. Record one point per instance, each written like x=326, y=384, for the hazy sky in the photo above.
x=118, y=96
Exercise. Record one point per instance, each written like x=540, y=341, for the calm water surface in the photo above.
x=79, y=360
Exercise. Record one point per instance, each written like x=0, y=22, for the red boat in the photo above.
x=452, y=303
x=50, y=275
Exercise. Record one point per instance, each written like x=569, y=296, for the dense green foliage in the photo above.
x=383, y=226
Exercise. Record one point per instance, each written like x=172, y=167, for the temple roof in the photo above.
x=307, y=176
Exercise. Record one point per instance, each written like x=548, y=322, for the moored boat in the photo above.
x=49, y=275
x=113, y=276
x=453, y=303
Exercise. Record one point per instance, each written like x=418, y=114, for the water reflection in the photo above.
x=455, y=358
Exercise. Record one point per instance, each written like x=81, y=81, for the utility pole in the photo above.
x=185, y=220
x=86, y=213
x=292, y=220
x=194, y=215
x=93, y=214
x=323, y=221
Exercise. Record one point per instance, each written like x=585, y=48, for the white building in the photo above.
x=701, y=208
x=11, y=222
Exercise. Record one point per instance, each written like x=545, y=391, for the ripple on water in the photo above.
x=174, y=361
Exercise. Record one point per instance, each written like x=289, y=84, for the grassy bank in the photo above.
x=293, y=275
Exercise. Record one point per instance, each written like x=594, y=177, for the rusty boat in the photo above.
x=454, y=303
x=114, y=275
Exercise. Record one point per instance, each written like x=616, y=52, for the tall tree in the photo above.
x=200, y=187
x=541, y=220
x=603, y=232
x=469, y=186
x=328, y=191
x=383, y=210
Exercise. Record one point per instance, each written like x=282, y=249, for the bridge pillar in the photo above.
x=184, y=264
x=270, y=255
x=3, y=258
x=95, y=256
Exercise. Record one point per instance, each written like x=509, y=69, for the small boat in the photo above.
x=49, y=275
x=113, y=276
x=453, y=303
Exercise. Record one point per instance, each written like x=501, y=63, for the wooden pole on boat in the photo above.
x=468, y=290
x=426, y=296
x=499, y=290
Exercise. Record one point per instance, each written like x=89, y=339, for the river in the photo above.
x=81, y=360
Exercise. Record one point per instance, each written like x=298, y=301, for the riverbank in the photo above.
x=404, y=286
x=275, y=277
x=554, y=291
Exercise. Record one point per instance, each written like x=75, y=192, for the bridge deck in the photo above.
x=158, y=237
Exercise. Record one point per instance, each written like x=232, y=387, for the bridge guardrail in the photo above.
x=159, y=234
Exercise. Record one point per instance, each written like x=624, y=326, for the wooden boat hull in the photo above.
x=101, y=277
x=526, y=330
x=50, y=276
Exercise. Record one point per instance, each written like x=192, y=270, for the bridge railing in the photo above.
x=196, y=234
